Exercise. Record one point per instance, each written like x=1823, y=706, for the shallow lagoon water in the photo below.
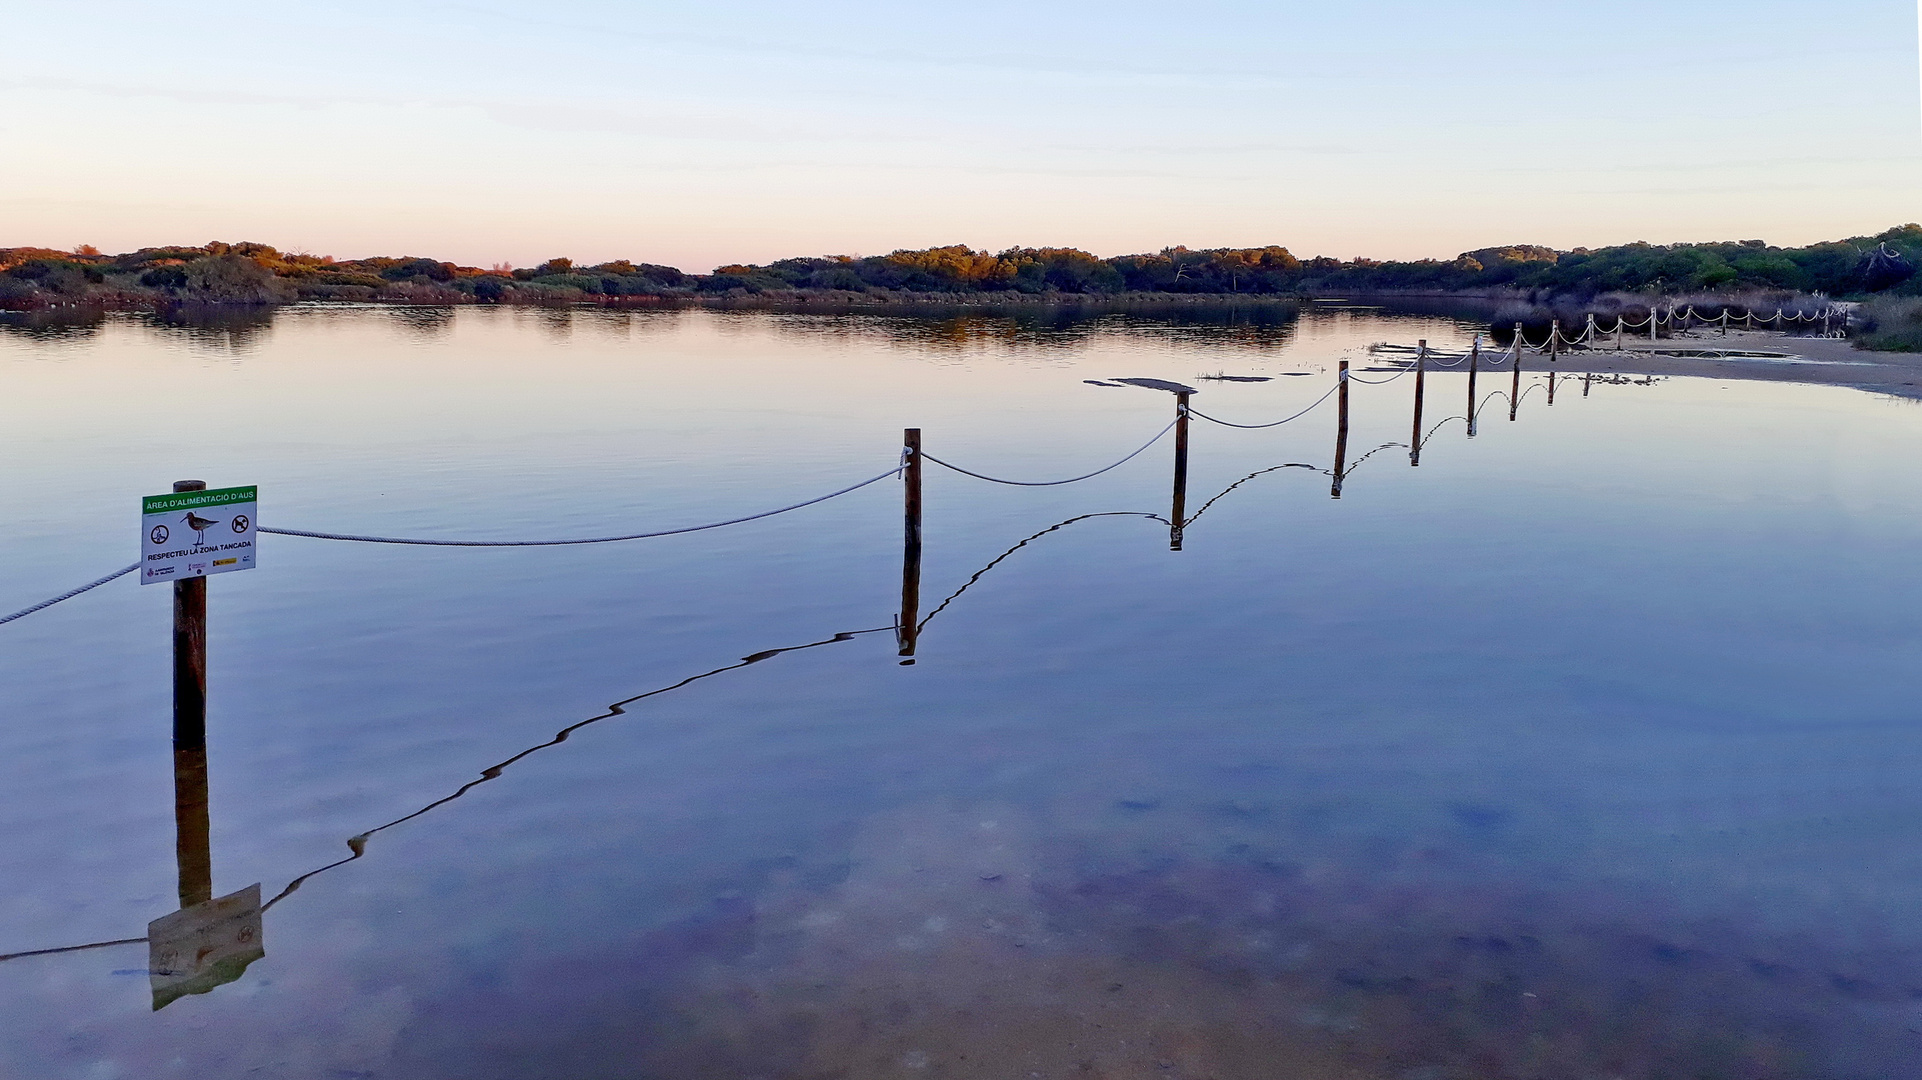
x=1587, y=748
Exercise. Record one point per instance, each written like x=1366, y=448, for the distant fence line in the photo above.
x=912, y=456
x=1834, y=324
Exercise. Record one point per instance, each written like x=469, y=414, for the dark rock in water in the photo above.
x=1160, y=384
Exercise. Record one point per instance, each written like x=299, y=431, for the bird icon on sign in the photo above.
x=199, y=525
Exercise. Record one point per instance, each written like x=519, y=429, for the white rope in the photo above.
x=1277, y=423
x=892, y=470
x=69, y=594
x=1380, y=382
x=1056, y=483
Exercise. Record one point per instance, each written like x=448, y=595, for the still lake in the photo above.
x=1587, y=748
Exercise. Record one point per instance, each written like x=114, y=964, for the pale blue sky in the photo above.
x=494, y=130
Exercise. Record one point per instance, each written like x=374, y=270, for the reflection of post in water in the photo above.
x=208, y=941
x=1178, y=512
x=192, y=848
x=1421, y=373
x=907, y=627
x=1588, y=377
x=1551, y=386
x=1474, y=361
x=1341, y=429
x=1515, y=388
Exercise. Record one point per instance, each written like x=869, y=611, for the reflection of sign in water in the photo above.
x=190, y=534
x=195, y=949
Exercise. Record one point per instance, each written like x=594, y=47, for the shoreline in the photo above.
x=1815, y=360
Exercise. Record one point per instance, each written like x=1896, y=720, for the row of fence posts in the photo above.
x=1654, y=321
x=907, y=626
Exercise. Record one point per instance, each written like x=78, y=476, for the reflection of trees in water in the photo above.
x=225, y=326
x=1255, y=325
x=423, y=322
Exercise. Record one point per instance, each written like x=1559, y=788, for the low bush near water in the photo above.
x=1889, y=324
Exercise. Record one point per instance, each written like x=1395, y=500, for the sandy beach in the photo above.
x=1782, y=358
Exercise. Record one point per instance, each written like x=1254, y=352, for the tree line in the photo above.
x=248, y=273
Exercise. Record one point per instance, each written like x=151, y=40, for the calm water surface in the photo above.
x=1586, y=749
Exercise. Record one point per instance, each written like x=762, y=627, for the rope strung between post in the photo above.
x=69, y=594
x=1055, y=483
x=1379, y=382
x=1276, y=423
x=892, y=470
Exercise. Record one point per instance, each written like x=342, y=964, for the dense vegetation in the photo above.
x=32, y=278
x=1892, y=323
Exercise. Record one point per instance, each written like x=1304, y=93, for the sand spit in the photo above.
x=1826, y=361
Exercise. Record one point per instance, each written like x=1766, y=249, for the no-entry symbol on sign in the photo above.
x=189, y=534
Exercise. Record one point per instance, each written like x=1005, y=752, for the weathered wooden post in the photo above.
x=1178, y=512
x=1725, y=322
x=1620, y=318
x=190, y=653
x=1474, y=361
x=1515, y=388
x=1421, y=373
x=908, y=628
x=1554, y=339
x=1651, y=324
x=1588, y=334
x=1341, y=430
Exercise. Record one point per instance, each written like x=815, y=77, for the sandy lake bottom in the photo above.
x=1586, y=749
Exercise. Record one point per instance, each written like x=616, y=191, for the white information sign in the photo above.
x=189, y=534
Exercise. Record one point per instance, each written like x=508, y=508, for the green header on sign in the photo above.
x=190, y=500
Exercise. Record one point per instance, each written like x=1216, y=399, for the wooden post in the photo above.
x=1474, y=361
x=1178, y=513
x=1421, y=373
x=1825, y=322
x=1341, y=430
x=1725, y=322
x=190, y=653
x=1651, y=324
x=1554, y=339
x=1589, y=333
x=908, y=628
x=1619, y=320
x=192, y=848
x=1515, y=389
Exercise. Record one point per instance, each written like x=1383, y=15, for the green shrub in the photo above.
x=1889, y=324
